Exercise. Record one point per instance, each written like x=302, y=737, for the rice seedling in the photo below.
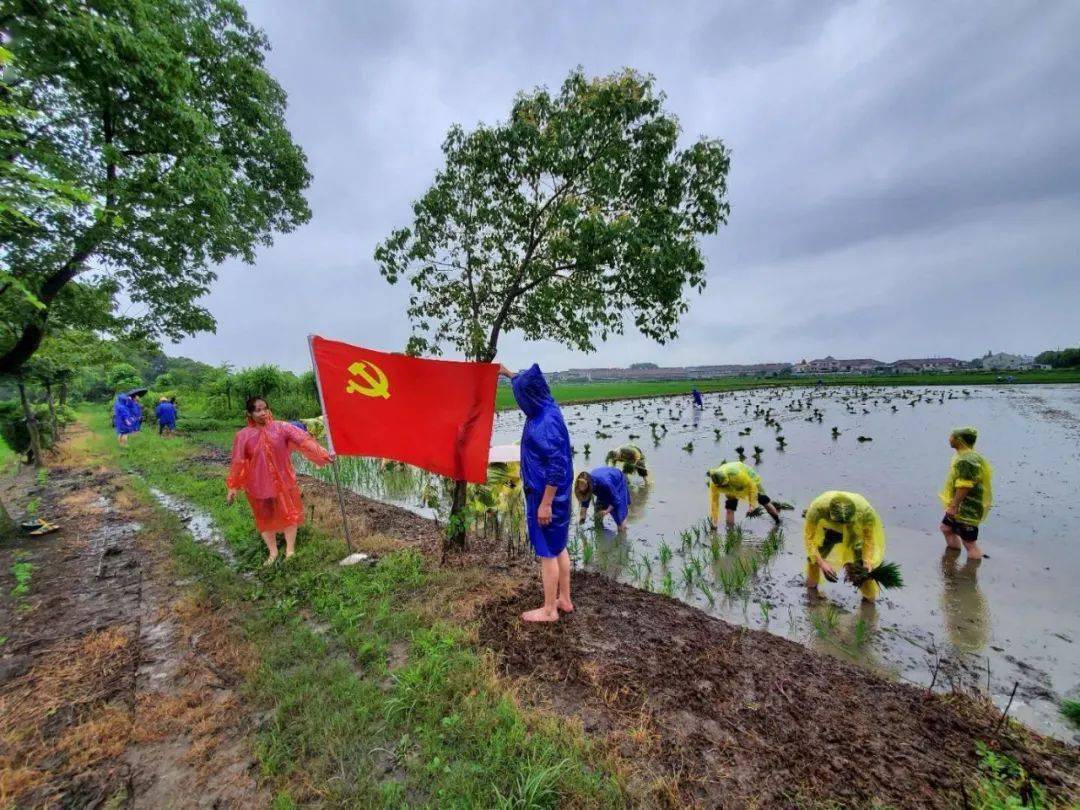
x=742, y=452
x=772, y=544
x=862, y=631
x=667, y=585
x=716, y=433
x=586, y=551
x=1070, y=710
x=706, y=591
x=825, y=619
x=887, y=575
x=733, y=539
x=756, y=512
x=688, y=577
x=783, y=506
x=715, y=549
x=688, y=447
x=665, y=553
x=573, y=547
x=864, y=439
x=766, y=610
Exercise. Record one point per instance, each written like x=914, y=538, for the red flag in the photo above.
x=436, y=414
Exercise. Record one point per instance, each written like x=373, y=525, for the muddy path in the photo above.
x=117, y=686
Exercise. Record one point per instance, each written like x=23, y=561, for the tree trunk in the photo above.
x=63, y=394
x=456, y=528
x=31, y=426
x=52, y=413
x=7, y=525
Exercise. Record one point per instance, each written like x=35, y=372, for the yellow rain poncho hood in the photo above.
x=735, y=480
x=852, y=516
x=969, y=470
x=630, y=458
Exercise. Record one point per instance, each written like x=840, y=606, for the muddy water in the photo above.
x=1013, y=618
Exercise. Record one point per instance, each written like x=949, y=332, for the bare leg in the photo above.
x=951, y=540
x=813, y=575
x=270, y=538
x=729, y=519
x=290, y=541
x=973, y=550
x=549, y=576
x=563, y=599
x=772, y=512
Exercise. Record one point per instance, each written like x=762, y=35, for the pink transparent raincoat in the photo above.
x=262, y=467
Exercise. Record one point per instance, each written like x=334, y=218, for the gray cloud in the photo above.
x=905, y=179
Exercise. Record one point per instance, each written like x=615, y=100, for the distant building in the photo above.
x=830, y=365
x=922, y=364
x=1002, y=361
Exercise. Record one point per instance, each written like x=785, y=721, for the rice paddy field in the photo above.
x=1008, y=621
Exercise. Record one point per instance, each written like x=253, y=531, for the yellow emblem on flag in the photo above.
x=376, y=383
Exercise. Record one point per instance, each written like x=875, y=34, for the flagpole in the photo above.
x=330, y=445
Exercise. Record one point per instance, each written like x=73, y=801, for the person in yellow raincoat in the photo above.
x=736, y=481
x=630, y=458
x=967, y=494
x=842, y=530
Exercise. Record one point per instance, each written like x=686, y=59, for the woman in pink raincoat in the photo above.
x=262, y=467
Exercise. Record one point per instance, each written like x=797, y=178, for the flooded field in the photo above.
x=1013, y=618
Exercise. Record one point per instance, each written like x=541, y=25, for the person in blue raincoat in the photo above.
x=166, y=417
x=547, y=473
x=126, y=416
x=608, y=485
x=698, y=401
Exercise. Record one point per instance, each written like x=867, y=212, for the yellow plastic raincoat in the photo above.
x=970, y=470
x=862, y=535
x=734, y=480
x=630, y=458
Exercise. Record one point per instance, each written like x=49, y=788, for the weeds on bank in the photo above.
x=371, y=702
x=1003, y=783
x=22, y=572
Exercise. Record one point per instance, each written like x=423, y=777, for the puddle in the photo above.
x=198, y=523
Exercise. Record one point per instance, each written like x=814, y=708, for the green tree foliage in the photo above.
x=162, y=114
x=1063, y=358
x=578, y=213
x=122, y=377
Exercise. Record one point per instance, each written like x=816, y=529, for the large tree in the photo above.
x=577, y=215
x=162, y=114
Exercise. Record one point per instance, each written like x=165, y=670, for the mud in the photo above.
x=719, y=715
x=115, y=688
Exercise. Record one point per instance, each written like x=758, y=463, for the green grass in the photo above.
x=439, y=731
x=9, y=459
x=22, y=572
x=1003, y=783
x=572, y=393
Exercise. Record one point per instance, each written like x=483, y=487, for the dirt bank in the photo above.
x=728, y=717
x=115, y=687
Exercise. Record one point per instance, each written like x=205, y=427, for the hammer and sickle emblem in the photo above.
x=377, y=384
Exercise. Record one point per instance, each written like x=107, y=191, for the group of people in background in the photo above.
x=842, y=531
x=128, y=414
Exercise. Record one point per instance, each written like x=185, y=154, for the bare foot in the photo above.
x=270, y=561
x=289, y=556
x=540, y=615
x=565, y=605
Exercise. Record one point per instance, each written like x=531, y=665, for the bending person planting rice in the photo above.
x=630, y=458
x=547, y=472
x=736, y=481
x=842, y=530
x=608, y=485
x=262, y=467
x=967, y=494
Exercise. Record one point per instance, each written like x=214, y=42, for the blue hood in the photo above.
x=531, y=391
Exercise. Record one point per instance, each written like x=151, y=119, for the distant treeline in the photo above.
x=1065, y=358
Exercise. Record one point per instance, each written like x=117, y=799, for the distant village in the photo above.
x=991, y=361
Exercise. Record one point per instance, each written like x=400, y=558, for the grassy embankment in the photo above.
x=345, y=727
x=570, y=393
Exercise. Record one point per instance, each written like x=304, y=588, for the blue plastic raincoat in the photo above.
x=610, y=488
x=698, y=401
x=546, y=460
x=166, y=414
x=126, y=417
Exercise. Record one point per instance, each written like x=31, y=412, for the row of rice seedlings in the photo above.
x=771, y=545
x=665, y=553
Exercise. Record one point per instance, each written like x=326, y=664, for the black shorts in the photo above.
x=732, y=503
x=965, y=531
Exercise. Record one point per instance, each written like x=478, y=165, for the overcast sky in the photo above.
x=905, y=178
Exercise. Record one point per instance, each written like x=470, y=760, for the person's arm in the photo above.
x=505, y=372
x=238, y=469
x=305, y=444
x=959, y=494
x=543, y=512
x=714, y=505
